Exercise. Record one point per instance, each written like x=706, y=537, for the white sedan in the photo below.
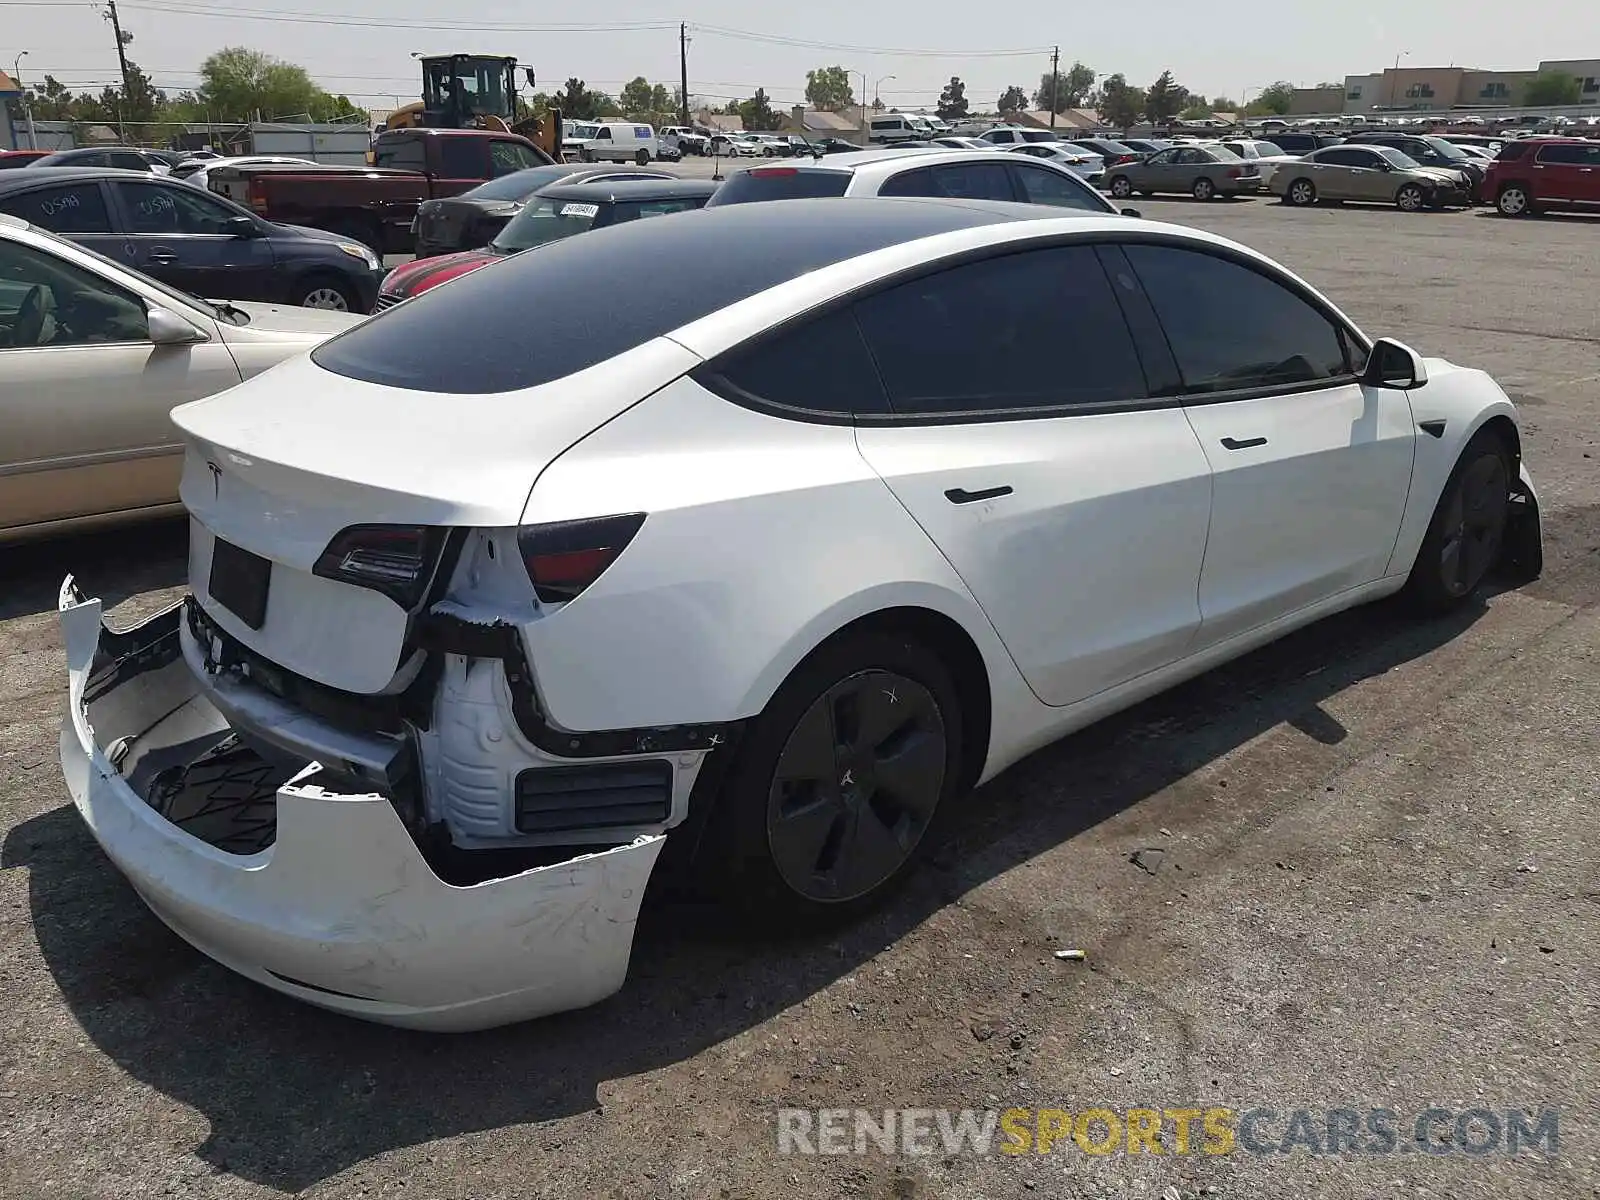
x=198, y=173
x=1089, y=167
x=802, y=541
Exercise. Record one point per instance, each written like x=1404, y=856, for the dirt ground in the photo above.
x=1356, y=870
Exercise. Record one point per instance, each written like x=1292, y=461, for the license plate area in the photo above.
x=239, y=582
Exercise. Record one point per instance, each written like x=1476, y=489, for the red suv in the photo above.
x=1533, y=174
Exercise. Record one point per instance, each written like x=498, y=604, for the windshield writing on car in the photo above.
x=545, y=220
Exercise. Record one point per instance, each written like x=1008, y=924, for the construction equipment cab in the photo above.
x=621, y=141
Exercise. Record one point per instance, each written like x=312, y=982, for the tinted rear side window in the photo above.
x=821, y=366
x=1512, y=151
x=73, y=208
x=548, y=312
x=1232, y=328
x=1036, y=329
x=780, y=183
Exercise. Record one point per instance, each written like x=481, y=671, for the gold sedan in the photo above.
x=1378, y=174
x=93, y=357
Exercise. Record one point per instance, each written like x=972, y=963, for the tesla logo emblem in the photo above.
x=848, y=780
x=893, y=694
x=216, y=479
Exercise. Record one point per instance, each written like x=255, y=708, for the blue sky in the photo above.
x=363, y=47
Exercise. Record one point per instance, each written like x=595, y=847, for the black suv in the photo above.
x=193, y=240
x=1430, y=151
x=1300, y=143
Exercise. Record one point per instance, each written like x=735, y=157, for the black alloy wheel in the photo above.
x=856, y=786
x=1464, y=540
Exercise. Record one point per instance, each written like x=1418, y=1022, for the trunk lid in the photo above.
x=282, y=463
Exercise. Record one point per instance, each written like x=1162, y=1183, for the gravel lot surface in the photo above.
x=1365, y=877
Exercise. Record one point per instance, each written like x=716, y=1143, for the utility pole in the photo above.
x=683, y=73
x=1055, y=83
x=122, y=40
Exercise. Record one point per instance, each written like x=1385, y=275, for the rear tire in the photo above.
x=642, y=158
x=1121, y=187
x=1302, y=193
x=1468, y=529
x=1203, y=189
x=837, y=783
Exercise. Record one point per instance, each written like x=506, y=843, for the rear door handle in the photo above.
x=163, y=256
x=962, y=496
x=1235, y=444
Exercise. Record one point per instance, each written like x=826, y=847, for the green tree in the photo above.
x=636, y=97
x=757, y=113
x=1275, y=99
x=1165, y=99
x=576, y=101
x=236, y=83
x=829, y=88
x=1552, y=88
x=953, y=100
x=1012, y=100
x=1120, y=104
x=1072, y=88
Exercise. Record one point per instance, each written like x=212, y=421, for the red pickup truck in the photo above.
x=375, y=204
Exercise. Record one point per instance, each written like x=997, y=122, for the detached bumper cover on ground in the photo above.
x=341, y=911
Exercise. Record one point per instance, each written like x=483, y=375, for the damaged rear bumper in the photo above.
x=341, y=909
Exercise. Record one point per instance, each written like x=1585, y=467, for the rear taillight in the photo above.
x=1235, y=172
x=397, y=560
x=565, y=557
x=257, y=195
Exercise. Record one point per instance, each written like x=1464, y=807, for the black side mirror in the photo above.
x=1132, y=212
x=1394, y=365
x=242, y=226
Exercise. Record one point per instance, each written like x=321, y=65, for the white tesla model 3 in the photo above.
x=762, y=532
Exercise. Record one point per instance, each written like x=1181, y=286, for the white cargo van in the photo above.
x=621, y=141
x=886, y=129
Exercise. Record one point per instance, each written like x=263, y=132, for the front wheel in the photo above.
x=838, y=782
x=1203, y=189
x=1514, y=201
x=1302, y=193
x=325, y=292
x=586, y=156
x=1121, y=187
x=1410, y=198
x=1468, y=528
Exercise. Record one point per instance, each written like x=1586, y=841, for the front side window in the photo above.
x=69, y=209
x=152, y=208
x=1232, y=328
x=45, y=301
x=1040, y=185
x=994, y=336
x=506, y=157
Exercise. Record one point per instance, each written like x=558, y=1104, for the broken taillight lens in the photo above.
x=565, y=557
x=397, y=560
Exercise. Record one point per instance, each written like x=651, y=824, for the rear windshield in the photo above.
x=573, y=303
x=517, y=184
x=779, y=183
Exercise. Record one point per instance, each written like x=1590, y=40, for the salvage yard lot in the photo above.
x=1366, y=878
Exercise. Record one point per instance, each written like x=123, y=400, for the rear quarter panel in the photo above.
x=764, y=537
